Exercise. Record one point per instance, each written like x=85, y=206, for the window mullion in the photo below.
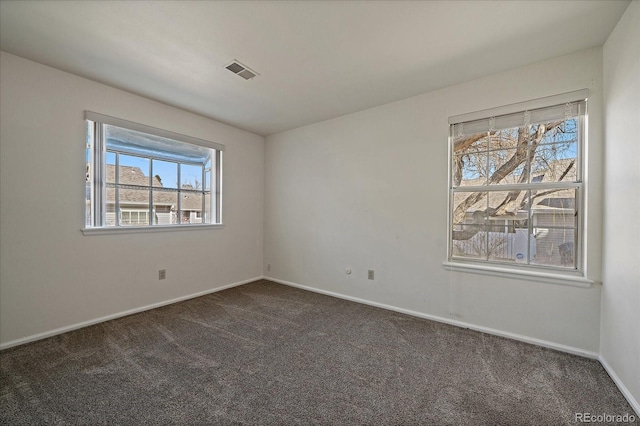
x=218, y=194
x=486, y=227
x=150, y=192
x=99, y=189
x=117, y=190
x=518, y=186
x=487, y=167
x=204, y=198
x=528, y=171
x=529, y=226
x=179, y=185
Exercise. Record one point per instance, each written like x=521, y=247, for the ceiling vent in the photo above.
x=241, y=70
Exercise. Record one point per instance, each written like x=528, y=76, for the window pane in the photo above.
x=148, y=145
x=190, y=176
x=87, y=205
x=504, y=139
x=469, y=207
x=508, y=205
x=555, y=221
x=134, y=217
x=470, y=160
x=469, y=230
x=506, y=213
x=165, y=206
x=470, y=143
x=469, y=241
x=554, y=208
x=506, y=167
x=470, y=169
x=110, y=161
x=111, y=211
x=207, y=180
x=133, y=170
x=555, y=162
x=555, y=247
x=134, y=199
x=207, y=209
x=165, y=174
x=88, y=182
x=566, y=132
x=499, y=245
x=210, y=170
x=191, y=207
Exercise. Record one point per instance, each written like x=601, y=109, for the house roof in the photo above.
x=162, y=196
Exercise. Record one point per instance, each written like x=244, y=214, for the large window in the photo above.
x=516, y=186
x=139, y=176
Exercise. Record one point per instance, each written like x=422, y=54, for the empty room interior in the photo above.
x=319, y=212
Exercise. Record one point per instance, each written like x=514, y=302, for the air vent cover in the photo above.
x=241, y=70
x=235, y=67
x=246, y=74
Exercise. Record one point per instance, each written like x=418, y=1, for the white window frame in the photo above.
x=131, y=212
x=95, y=200
x=552, y=274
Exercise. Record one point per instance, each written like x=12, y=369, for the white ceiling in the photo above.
x=317, y=60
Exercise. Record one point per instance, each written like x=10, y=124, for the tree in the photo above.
x=509, y=156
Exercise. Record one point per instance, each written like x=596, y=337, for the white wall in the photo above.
x=51, y=276
x=620, y=334
x=369, y=191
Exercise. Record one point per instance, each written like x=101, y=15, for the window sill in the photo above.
x=146, y=229
x=547, y=277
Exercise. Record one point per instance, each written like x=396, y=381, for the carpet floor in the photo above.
x=268, y=354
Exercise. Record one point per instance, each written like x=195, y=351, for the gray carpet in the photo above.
x=264, y=353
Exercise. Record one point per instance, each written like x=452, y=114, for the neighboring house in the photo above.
x=134, y=193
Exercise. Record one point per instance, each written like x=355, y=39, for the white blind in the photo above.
x=525, y=113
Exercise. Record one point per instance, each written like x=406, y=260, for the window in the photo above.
x=134, y=217
x=139, y=176
x=516, y=185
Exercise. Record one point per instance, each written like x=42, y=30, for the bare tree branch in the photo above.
x=523, y=202
x=458, y=165
x=464, y=143
x=519, y=157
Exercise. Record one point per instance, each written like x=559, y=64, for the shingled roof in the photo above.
x=161, y=196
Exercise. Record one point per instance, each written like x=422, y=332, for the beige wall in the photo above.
x=369, y=191
x=620, y=341
x=51, y=276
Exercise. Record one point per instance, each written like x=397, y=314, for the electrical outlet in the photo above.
x=370, y=276
x=162, y=274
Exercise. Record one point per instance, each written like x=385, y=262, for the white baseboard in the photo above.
x=625, y=391
x=83, y=324
x=495, y=332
